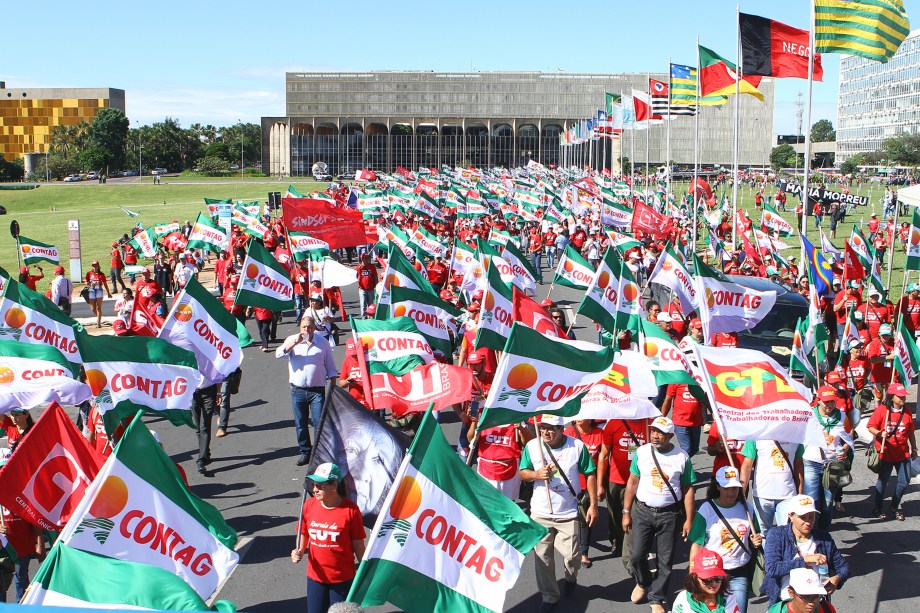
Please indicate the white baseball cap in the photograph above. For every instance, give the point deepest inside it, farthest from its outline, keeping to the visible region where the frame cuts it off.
(727, 476)
(802, 505)
(806, 582)
(552, 420)
(663, 424)
(664, 317)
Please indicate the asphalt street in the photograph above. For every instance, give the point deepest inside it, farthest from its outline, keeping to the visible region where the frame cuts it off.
(257, 487)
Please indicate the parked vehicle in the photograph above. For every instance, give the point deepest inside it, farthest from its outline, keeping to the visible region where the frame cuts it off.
(72, 178)
(92, 175)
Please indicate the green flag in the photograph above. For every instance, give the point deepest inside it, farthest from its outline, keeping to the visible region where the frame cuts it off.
(393, 346)
(208, 235)
(573, 270)
(497, 312)
(907, 355)
(265, 283)
(34, 252)
(435, 318)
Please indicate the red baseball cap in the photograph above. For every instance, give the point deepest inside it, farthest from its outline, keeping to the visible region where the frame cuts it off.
(832, 377)
(475, 358)
(896, 389)
(474, 306)
(696, 323)
(547, 303)
(478, 294)
(827, 393)
(708, 564)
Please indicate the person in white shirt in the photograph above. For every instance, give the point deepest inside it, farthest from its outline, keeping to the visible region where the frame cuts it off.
(660, 486)
(310, 364)
(124, 305)
(61, 290)
(322, 316)
(554, 504)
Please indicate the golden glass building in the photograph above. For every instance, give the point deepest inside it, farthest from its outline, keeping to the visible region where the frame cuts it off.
(28, 116)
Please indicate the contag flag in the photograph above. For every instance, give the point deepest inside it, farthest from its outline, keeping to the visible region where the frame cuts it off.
(521, 266)
(402, 273)
(200, 323)
(413, 559)
(539, 374)
(907, 355)
(29, 317)
(162, 229)
(32, 374)
(208, 235)
(265, 283)
(394, 346)
(727, 306)
(497, 312)
(428, 243)
(435, 318)
(138, 509)
(913, 243)
(80, 580)
(34, 252)
(667, 362)
(145, 243)
(304, 246)
(573, 270)
(771, 221)
(128, 374)
(670, 272)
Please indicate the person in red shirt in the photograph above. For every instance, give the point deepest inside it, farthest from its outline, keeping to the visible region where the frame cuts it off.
(117, 265)
(579, 238)
(715, 446)
(678, 319)
(875, 313)
(437, 274)
(331, 531)
(687, 415)
(621, 440)
(130, 257)
(300, 278)
(500, 450)
(588, 433)
(229, 298)
(97, 282)
(28, 542)
(351, 377)
(880, 242)
(880, 354)
(909, 308)
(892, 425)
(873, 226)
(30, 280)
(367, 282)
(221, 268)
(845, 301)
(724, 339)
(549, 244)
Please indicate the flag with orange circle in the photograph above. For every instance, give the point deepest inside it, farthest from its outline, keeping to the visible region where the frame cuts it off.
(31, 375)
(541, 374)
(34, 252)
(394, 345)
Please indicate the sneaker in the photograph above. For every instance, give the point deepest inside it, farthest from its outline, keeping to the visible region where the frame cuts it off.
(568, 587)
(638, 594)
(221, 433)
(658, 608)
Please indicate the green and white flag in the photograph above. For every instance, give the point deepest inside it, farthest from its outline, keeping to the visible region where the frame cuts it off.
(623, 242)
(162, 229)
(671, 272)
(771, 221)
(541, 374)
(615, 214)
(913, 243)
(145, 243)
(573, 270)
(798, 359)
(600, 300)
(668, 363)
(293, 193)
(906, 355)
(402, 273)
(395, 236)
(446, 540)
(464, 258)
(34, 252)
(249, 222)
(428, 243)
(304, 246)
(725, 306)
(208, 235)
(199, 322)
(393, 346)
(425, 205)
(861, 246)
(436, 319)
(496, 311)
(28, 317)
(72, 578)
(139, 510)
(128, 374)
(499, 237)
(521, 266)
(32, 374)
(265, 282)
(7, 550)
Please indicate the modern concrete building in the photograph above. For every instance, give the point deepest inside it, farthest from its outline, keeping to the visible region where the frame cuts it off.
(28, 116)
(877, 101)
(382, 120)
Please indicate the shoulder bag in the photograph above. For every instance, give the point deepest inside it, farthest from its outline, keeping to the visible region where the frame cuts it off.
(663, 476)
(757, 562)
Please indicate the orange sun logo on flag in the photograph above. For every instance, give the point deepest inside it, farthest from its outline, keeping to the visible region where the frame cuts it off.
(26, 248)
(110, 500)
(183, 313)
(6, 375)
(96, 380)
(520, 378)
(603, 280)
(399, 311)
(15, 318)
(405, 504)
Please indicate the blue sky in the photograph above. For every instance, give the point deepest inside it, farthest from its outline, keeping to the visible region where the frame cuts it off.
(199, 63)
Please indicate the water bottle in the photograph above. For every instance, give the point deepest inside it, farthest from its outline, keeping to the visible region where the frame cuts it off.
(821, 569)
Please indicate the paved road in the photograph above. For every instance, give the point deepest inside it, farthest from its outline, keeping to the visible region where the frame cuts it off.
(256, 485)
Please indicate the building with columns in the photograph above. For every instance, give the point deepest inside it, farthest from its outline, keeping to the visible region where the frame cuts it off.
(381, 120)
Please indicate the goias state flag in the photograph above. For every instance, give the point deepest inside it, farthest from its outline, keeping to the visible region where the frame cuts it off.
(264, 283)
(31, 375)
(128, 374)
(446, 540)
(540, 374)
(718, 76)
(50, 472)
(773, 49)
(755, 398)
(138, 509)
(76, 579)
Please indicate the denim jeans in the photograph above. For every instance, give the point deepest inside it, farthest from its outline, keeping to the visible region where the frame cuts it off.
(766, 511)
(688, 437)
(321, 596)
(824, 499)
(300, 305)
(740, 587)
(308, 405)
(366, 297)
(535, 261)
(884, 473)
(550, 256)
(646, 526)
(21, 578)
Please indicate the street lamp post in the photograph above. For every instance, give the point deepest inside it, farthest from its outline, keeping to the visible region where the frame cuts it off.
(241, 149)
(140, 156)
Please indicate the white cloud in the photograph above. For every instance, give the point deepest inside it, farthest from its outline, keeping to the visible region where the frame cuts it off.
(219, 107)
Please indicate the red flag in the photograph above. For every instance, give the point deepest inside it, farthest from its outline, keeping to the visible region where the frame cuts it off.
(648, 220)
(44, 481)
(340, 227)
(442, 384)
(144, 320)
(528, 312)
(429, 187)
(852, 267)
(749, 250)
(175, 241)
(587, 184)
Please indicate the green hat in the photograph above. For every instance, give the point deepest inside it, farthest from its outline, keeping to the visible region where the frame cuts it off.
(326, 472)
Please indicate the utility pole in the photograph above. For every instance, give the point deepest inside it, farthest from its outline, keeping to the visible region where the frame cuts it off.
(799, 112)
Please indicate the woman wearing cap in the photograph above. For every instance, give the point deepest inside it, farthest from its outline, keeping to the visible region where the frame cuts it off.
(893, 428)
(723, 525)
(16, 424)
(837, 447)
(881, 353)
(707, 587)
(332, 551)
(96, 281)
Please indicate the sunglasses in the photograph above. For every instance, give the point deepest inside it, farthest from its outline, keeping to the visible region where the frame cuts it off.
(713, 580)
(810, 598)
(324, 484)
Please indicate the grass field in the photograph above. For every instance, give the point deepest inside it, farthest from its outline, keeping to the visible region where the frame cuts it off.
(43, 213)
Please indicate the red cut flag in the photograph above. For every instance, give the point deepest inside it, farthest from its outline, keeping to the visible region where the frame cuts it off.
(852, 267)
(771, 48)
(144, 320)
(648, 220)
(412, 392)
(528, 312)
(52, 468)
(750, 251)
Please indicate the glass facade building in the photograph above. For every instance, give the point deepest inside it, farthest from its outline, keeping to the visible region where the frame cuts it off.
(877, 101)
(382, 120)
(28, 116)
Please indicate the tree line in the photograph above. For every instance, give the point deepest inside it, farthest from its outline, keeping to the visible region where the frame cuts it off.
(109, 145)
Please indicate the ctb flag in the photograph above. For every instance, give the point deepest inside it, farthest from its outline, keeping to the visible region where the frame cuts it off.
(773, 49)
